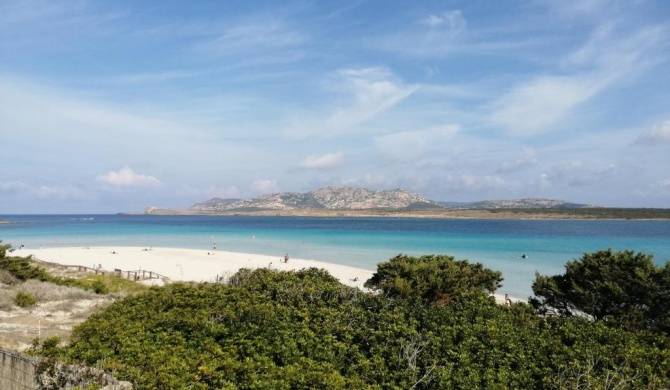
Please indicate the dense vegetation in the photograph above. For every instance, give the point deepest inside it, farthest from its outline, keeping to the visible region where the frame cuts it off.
(624, 289)
(428, 279)
(593, 212)
(276, 330)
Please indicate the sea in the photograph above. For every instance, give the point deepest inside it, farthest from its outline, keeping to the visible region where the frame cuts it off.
(359, 242)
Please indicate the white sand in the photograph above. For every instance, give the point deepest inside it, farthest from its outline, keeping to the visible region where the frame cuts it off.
(193, 265)
(188, 264)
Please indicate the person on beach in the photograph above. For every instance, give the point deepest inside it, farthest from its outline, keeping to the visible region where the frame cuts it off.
(286, 258)
(508, 300)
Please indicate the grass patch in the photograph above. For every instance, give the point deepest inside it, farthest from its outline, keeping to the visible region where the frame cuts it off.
(49, 292)
(23, 299)
(113, 283)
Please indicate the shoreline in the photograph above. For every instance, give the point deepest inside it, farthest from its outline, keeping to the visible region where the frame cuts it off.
(179, 264)
(585, 214)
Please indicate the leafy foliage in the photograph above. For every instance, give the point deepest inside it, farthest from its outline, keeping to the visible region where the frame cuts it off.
(53, 374)
(429, 278)
(624, 289)
(302, 330)
(22, 269)
(3, 249)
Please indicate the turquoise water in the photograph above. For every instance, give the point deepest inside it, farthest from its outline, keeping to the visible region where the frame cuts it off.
(360, 242)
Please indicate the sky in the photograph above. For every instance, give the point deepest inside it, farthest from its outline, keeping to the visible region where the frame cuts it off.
(114, 106)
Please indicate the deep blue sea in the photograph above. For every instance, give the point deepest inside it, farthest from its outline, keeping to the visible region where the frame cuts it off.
(359, 242)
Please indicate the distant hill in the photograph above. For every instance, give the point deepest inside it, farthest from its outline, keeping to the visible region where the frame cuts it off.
(331, 198)
(351, 199)
(214, 202)
(527, 203)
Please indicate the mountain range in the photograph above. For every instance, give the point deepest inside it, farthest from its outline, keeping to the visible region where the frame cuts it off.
(331, 198)
(353, 198)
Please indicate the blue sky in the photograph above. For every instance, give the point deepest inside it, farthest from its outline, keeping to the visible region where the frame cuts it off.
(119, 105)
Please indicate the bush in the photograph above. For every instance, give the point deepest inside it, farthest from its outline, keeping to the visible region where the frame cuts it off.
(433, 278)
(22, 269)
(623, 289)
(279, 330)
(23, 299)
(99, 287)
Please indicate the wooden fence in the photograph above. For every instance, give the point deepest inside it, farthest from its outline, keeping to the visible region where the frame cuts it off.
(131, 275)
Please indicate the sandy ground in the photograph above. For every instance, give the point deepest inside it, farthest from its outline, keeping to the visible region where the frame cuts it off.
(188, 264)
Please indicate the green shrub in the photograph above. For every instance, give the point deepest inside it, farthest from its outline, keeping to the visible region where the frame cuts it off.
(22, 269)
(304, 329)
(99, 287)
(23, 299)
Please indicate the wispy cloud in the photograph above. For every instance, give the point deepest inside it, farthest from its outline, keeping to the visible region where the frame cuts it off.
(433, 35)
(410, 145)
(447, 34)
(375, 90)
(452, 22)
(148, 78)
(256, 35)
(533, 106)
(579, 173)
(265, 186)
(13, 187)
(126, 177)
(361, 94)
(658, 133)
(48, 25)
(526, 160)
(470, 182)
(41, 192)
(229, 191)
(322, 162)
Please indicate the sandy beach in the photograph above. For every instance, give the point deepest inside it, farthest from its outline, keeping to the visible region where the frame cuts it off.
(190, 264)
(187, 264)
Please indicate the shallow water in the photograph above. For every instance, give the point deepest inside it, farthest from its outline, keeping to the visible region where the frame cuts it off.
(360, 242)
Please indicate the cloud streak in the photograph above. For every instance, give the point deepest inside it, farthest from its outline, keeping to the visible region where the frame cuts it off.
(535, 106)
(362, 94)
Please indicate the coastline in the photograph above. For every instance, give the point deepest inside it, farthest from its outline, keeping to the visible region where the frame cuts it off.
(599, 214)
(178, 264)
